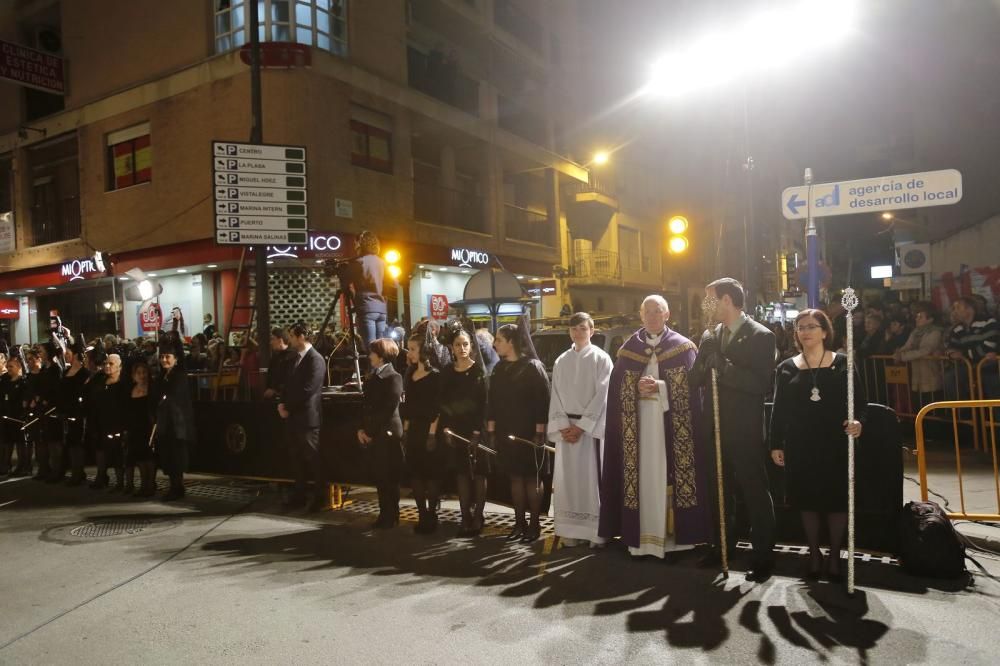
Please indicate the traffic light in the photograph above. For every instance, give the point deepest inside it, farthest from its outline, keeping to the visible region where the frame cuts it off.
(392, 258)
(677, 242)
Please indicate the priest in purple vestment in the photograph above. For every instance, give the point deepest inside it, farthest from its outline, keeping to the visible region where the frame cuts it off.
(654, 489)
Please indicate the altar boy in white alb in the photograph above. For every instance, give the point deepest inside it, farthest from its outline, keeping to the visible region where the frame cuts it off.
(576, 424)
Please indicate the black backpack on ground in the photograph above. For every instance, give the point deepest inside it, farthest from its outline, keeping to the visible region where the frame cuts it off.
(928, 543)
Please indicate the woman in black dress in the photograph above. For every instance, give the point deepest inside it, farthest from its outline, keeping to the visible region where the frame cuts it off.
(421, 397)
(12, 388)
(383, 429)
(70, 405)
(519, 406)
(108, 422)
(463, 411)
(138, 427)
(808, 424)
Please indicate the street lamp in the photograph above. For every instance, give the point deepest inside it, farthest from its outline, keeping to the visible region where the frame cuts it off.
(601, 158)
(764, 42)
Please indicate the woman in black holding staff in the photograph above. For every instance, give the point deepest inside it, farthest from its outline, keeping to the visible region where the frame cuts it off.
(383, 428)
(519, 406)
(808, 428)
(422, 394)
(139, 426)
(12, 397)
(463, 411)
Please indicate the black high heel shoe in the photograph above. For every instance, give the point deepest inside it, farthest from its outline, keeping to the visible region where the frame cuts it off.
(517, 532)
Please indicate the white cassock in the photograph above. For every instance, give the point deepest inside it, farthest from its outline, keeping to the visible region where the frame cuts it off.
(654, 504)
(579, 397)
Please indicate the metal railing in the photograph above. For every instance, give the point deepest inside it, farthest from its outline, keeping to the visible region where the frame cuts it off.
(528, 225)
(955, 406)
(908, 386)
(596, 264)
(443, 206)
(988, 383)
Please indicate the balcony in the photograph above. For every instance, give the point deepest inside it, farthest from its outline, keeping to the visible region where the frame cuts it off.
(527, 225)
(589, 207)
(595, 266)
(446, 207)
(437, 74)
(516, 22)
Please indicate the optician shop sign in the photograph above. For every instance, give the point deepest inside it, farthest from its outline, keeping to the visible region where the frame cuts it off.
(9, 308)
(467, 258)
(80, 269)
(319, 245)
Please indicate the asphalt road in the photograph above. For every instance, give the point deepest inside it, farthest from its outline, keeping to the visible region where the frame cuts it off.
(224, 577)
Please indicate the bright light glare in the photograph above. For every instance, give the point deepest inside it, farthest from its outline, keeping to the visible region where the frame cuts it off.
(765, 41)
(601, 157)
(392, 256)
(886, 216)
(678, 224)
(146, 290)
(394, 271)
(678, 245)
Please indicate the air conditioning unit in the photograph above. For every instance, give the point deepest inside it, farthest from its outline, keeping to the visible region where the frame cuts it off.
(914, 258)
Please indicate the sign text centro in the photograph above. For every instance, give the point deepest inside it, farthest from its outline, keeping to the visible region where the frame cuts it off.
(911, 190)
(469, 258)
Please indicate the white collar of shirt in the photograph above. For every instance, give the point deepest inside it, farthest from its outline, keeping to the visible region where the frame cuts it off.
(302, 354)
(737, 323)
(655, 339)
(381, 370)
(581, 349)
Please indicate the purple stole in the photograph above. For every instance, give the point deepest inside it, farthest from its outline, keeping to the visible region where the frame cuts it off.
(683, 446)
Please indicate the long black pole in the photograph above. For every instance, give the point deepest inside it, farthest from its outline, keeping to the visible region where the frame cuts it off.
(262, 295)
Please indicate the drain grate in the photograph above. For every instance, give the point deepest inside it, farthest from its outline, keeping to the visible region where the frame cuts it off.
(110, 528)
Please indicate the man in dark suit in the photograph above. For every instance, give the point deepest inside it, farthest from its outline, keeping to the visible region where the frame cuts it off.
(742, 352)
(301, 407)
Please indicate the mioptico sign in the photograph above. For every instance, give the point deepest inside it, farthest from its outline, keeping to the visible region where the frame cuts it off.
(468, 258)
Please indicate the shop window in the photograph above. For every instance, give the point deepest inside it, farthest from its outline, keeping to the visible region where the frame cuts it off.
(319, 23)
(55, 191)
(130, 157)
(371, 139)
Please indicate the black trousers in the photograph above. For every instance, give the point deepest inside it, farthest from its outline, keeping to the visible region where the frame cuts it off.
(172, 455)
(385, 459)
(307, 461)
(748, 498)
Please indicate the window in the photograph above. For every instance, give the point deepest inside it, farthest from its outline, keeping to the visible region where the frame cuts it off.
(6, 184)
(319, 23)
(55, 191)
(371, 139)
(130, 157)
(628, 247)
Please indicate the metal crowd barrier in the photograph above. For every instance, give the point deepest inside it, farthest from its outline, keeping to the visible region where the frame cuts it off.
(954, 406)
(889, 382)
(986, 371)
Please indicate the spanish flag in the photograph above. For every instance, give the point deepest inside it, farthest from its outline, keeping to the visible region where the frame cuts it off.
(133, 162)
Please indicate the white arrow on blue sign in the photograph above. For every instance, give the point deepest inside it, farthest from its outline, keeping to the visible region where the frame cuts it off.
(850, 197)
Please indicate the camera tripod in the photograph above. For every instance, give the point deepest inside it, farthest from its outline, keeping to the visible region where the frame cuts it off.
(354, 354)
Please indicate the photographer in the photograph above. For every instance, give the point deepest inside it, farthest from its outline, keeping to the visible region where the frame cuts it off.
(365, 275)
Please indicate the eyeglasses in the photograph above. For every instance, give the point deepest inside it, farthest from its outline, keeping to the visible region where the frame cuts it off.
(807, 327)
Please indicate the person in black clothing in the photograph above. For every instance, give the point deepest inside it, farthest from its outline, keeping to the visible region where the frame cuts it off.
(110, 404)
(69, 403)
(808, 424)
(139, 420)
(12, 396)
(301, 407)
(282, 361)
(383, 429)
(742, 352)
(463, 411)
(174, 418)
(519, 406)
(421, 390)
(48, 429)
(366, 274)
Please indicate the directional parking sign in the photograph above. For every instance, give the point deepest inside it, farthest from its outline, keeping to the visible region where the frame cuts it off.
(910, 190)
(260, 194)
